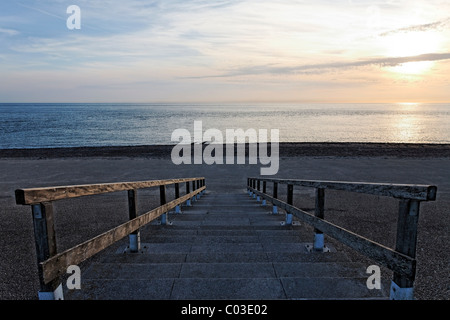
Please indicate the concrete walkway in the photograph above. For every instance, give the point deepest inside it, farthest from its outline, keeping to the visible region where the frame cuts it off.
(226, 246)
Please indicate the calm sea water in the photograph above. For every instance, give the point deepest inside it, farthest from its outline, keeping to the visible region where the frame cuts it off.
(71, 125)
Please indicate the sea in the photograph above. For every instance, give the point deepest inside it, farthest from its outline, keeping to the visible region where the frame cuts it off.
(54, 125)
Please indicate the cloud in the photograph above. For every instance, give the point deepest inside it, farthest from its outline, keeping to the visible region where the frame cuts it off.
(419, 27)
(9, 32)
(322, 67)
(137, 45)
(60, 17)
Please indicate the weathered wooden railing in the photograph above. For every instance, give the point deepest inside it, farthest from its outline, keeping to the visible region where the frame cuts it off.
(52, 265)
(401, 260)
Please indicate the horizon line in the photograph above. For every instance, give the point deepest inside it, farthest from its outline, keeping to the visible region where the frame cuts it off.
(225, 102)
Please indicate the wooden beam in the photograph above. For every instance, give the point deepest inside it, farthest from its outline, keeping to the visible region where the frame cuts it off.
(162, 194)
(163, 201)
(57, 265)
(132, 213)
(45, 240)
(177, 190)
(402, 191)
(395, 261)
(38, 195)
(408, 215)
(132, 204)
(275, 190)
(319, 209)
(290, 194)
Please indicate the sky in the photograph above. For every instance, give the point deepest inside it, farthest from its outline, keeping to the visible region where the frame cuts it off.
(225, 51)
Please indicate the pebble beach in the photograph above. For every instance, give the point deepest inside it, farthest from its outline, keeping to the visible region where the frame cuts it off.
(83, 218)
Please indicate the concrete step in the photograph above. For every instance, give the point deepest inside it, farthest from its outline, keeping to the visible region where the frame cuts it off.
(273, 288)
(224, 257)
(226, 288)
(211, 234)
(112, 270)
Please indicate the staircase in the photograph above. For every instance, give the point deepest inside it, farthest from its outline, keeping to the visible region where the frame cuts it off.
(225, 246)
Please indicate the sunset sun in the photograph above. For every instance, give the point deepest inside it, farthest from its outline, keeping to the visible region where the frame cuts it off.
(412, 44)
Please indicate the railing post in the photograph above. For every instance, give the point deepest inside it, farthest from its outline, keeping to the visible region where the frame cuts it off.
(258, 187)
(134, 237)
(162, 197)
(254, 187)
(275, 195)
(177, 195)
(194, 198)
(290, 198)
(188, 201)
(264, 191)
(45, 240)
(197, 182)
(319, 213)
(408, 215)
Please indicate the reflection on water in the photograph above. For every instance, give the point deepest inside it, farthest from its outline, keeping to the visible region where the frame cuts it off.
(407, 126)
(399, 123)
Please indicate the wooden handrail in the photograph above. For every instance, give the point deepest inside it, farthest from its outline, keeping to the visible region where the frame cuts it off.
(51, 265)
(403, 191)
(401, 259)
(37, 195)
